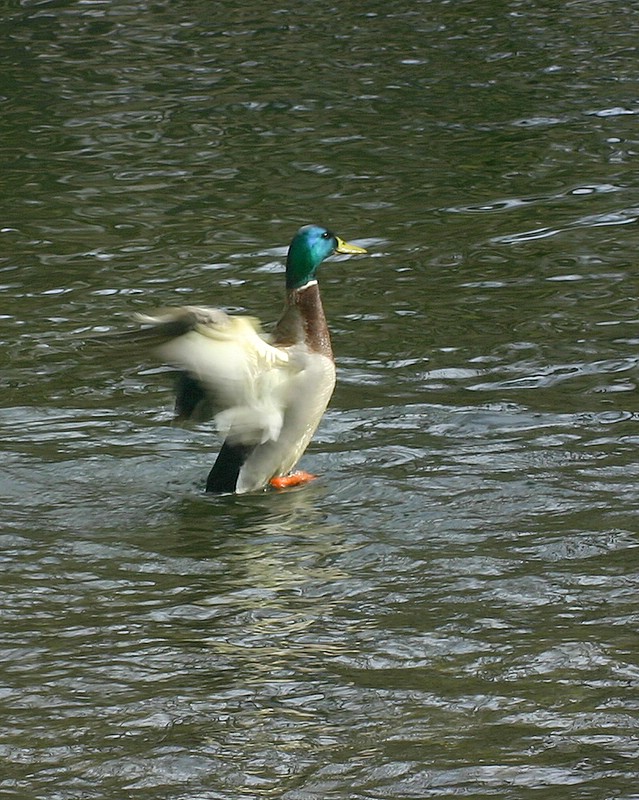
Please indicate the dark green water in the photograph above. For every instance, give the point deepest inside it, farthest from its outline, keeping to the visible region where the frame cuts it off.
(451, 611)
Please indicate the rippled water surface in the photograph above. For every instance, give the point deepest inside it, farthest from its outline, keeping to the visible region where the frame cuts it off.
(451, 610)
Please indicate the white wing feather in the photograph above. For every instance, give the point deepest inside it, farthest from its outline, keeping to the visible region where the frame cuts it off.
(245, 376)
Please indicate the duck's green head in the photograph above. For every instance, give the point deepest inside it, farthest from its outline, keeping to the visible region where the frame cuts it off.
(310, 246)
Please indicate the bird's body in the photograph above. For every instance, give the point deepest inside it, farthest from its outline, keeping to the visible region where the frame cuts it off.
(267, 395)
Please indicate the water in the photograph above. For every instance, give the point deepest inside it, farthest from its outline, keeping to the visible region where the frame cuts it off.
(451, 609)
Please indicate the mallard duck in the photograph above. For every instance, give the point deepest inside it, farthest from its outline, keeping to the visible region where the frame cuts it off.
(267, 394)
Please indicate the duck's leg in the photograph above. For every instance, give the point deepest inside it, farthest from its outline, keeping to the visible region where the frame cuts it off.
(293, 479)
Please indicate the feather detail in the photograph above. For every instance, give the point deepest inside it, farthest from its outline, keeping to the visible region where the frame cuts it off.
(243, 375)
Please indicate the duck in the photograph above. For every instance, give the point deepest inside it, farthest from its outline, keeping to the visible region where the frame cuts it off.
(266, 394)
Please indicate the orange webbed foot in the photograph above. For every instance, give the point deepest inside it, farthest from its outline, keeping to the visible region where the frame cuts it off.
(294, 479)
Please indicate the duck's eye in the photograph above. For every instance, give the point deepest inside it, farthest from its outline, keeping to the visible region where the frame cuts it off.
(326, 235)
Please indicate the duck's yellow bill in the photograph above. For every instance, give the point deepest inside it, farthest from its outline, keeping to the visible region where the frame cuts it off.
(347, 249)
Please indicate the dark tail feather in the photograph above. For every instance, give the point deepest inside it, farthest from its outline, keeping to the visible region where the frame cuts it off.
(191, 400)
(225, 472)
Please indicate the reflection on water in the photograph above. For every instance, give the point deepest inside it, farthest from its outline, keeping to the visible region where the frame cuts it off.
(456, 584)
(451, 608)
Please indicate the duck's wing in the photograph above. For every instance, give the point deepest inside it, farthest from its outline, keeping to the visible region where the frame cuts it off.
(227, 368)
